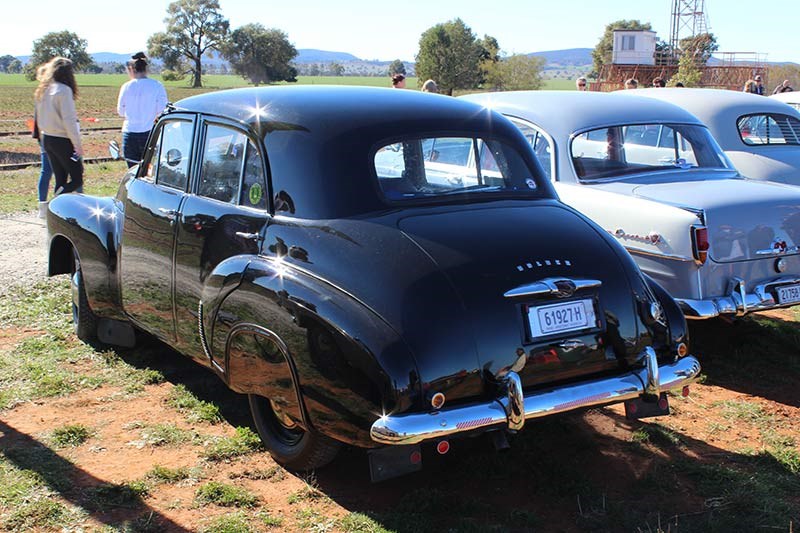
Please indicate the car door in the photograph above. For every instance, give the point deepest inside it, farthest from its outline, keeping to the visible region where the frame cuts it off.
(224, 216)
(152, 203)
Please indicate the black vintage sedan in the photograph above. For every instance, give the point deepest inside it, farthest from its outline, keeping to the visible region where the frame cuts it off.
(381, 268)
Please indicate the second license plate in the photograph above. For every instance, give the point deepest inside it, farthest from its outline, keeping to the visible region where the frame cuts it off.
(562, 317)
(789, 294)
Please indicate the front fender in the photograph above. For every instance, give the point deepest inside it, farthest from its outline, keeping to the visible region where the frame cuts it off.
(89, 227)
(283, 328)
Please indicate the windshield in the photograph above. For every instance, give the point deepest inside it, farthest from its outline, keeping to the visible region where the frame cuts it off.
(448, 166)
(629, 149)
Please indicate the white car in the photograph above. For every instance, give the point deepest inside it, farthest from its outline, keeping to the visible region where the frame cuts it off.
(790, 97)
(761, 136)
(652, 175)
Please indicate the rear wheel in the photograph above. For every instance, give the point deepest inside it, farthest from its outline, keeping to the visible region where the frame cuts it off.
(288, 443)
(85, 322)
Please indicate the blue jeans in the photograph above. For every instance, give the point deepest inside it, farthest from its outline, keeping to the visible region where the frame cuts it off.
(133, 145)
(44, 175)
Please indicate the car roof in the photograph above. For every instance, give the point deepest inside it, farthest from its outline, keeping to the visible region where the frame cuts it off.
(561, 113)
(788, 97)
(338, 109)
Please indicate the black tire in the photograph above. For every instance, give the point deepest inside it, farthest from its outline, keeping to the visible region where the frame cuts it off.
(290, 445)
(84, 321)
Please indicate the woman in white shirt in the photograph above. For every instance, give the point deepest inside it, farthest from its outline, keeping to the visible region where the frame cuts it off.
(140, 102)
(58, 123)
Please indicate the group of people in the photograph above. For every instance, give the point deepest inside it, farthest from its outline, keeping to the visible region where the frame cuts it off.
(399, 82)
(631, 83)
(56, 126)
(756, 86)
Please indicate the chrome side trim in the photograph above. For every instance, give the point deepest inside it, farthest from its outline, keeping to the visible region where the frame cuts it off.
(658, 254)
(412, 428)
(738, 302)
(549, 286)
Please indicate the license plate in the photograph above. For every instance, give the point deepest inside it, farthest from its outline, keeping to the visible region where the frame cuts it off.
(561, 318)
(789, 294)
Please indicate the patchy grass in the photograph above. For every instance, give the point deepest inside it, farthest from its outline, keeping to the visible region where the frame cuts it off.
(108, 496)
(360, 523)
(163, 474)
(70, 435)
(230, 523)
(165, 435)
(310, 519)
(225, 495)
(196, 410)
(35, 514)
(655, 434)
(274, 474)
(244, 441)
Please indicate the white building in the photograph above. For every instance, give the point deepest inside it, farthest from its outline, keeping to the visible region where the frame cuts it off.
(634, 47)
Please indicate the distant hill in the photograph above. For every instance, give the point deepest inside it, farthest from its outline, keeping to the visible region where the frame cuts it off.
(311, 55)
(571, 57)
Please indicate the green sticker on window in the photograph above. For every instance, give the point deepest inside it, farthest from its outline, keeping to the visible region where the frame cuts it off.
(256, 193)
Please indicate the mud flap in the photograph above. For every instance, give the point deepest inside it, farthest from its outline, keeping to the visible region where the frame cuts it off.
(639, 408)
(392, 461)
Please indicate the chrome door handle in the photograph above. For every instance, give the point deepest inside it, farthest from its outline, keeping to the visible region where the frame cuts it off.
(249, 236)
(168, 213)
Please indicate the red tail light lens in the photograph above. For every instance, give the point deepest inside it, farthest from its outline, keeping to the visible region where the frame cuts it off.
(700, 243)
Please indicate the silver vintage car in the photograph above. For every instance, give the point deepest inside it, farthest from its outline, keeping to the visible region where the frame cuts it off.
(651, 174)
(761, 136)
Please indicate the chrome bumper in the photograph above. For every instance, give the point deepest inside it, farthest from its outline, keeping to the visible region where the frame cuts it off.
(511, 411)
(738, 301)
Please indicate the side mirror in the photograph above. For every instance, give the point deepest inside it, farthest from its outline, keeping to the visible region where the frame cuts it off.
(174, 157)
(113, 149)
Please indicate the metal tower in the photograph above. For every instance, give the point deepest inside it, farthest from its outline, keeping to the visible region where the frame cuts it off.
(688, 19)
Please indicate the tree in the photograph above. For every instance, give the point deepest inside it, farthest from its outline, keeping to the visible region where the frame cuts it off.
(603, 51)
(5, 61)
(397, 67)
(700, 47)
(516, 73)
(193, 28)
(780, 72)
(450, 54)
(15, 67)
(689, 72)
(260, 55)
(490, 55)
(336, 69)
(58, 44)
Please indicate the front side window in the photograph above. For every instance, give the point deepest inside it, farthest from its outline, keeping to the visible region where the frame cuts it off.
(448, 166)
(223, 161)
(769, 129)
(633, 148)
(174, 154)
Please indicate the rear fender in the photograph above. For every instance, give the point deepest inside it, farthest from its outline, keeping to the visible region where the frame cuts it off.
(90, 228)
(326, 359)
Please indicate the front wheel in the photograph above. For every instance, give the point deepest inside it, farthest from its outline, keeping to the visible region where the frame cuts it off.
(83, 318)
(288, 443)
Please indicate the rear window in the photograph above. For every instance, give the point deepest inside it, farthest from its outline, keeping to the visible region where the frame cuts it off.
(634, 148)
(449, 166)
(769, 129)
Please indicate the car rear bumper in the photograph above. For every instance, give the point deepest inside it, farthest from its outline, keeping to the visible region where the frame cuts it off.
(511, 411)
(738, 301)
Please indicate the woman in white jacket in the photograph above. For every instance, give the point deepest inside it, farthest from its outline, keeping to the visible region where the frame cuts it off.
(140, 102)
(58, 124)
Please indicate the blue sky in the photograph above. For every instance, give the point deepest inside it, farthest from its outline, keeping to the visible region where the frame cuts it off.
(386, 30)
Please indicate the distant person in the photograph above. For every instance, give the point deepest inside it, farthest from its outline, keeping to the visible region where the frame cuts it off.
(631, 83)
(430, 87)
(759, 86)
(58, 123)
(783, 88)
(750, 87)
(46, 171)
(659, 82)
(580, 84)
(398, 81)
(140, 102)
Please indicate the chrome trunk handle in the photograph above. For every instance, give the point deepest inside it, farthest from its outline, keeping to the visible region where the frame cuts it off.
(560, 287)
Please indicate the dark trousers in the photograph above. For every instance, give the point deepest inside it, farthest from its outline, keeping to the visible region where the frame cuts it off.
(59, 152)
(133, 145)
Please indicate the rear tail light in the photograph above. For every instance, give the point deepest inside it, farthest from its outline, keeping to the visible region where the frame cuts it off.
(700, 243)
(442, 447)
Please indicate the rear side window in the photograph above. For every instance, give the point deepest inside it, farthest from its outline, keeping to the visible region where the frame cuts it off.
(174, 154)
(223, 162)
(769, 129)
(449, 166)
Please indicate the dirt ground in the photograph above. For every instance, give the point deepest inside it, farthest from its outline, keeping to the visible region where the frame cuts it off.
(590, 471)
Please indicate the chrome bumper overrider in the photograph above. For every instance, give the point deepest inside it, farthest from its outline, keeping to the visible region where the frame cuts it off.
(738, 302)
(511, 411)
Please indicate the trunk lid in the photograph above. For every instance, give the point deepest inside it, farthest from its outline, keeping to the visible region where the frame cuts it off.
(745, 219)
(492, 251)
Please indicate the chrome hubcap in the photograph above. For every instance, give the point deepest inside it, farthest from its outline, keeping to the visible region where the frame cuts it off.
(282, 417)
